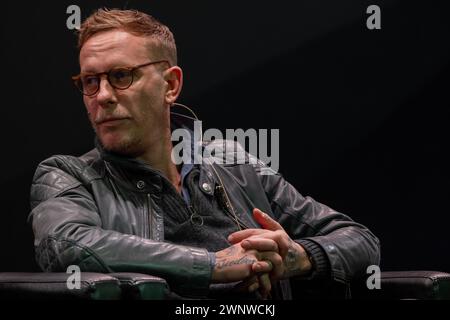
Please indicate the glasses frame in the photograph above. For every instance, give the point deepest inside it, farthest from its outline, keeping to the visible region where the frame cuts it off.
(78, 77)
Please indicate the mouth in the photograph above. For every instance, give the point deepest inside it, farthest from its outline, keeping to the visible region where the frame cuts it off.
(110, 121)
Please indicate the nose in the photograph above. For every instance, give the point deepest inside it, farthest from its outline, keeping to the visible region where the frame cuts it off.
(106, 95)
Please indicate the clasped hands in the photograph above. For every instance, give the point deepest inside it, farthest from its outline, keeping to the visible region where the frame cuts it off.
(260, 257)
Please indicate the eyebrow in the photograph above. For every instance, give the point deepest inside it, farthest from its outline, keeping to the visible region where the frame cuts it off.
(93, 71)
(88, 71)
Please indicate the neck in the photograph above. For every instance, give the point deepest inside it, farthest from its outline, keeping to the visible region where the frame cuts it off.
(158, 157)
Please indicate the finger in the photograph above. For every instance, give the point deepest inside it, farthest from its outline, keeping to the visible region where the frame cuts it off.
(264, 285)
(238, 236)
(264, 266)
(278, 235)
(249, 285)
(259, 244)
(266, 221)
(277, 264)
(253, 287)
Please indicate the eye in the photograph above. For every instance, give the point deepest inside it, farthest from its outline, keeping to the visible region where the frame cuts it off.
(120, 78)
(90, 80)
(120, 74)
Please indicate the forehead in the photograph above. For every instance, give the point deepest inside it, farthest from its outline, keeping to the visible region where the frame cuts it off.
(113, 48)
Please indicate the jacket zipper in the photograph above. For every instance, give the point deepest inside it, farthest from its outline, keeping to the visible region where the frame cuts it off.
(228, 207)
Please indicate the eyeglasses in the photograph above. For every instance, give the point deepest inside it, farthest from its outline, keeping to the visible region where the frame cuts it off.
(119, 78)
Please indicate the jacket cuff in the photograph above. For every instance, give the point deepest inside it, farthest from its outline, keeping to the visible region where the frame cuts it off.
(198, 286)
(320, 264)
(212, 259)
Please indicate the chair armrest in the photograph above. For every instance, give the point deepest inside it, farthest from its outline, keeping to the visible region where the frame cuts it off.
(43, 285)
(429, 285)
(136, 286)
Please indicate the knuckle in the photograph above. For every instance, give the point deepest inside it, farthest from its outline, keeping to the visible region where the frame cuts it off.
(279, 236)
(274, 246)
(278, 260)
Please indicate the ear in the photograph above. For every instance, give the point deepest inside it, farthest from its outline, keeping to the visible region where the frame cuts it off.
(174, 79)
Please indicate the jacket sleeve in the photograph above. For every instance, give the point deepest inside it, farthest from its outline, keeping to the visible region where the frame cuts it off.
(68, 231)
(337, 245)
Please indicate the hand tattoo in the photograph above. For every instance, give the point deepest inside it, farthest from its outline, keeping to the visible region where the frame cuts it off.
(291, 260)
(228, 263)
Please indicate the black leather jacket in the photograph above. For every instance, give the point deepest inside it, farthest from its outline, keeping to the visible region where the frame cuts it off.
(98, 211)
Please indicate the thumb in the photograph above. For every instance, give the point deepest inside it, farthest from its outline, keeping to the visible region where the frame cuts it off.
(266, 221)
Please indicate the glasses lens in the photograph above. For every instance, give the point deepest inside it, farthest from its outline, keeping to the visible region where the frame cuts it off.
(120, 78)
(89, 84)
(78, 84)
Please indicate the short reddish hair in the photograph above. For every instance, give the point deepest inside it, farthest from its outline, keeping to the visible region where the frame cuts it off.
(134, 22)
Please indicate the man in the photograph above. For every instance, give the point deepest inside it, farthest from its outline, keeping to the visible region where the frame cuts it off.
(126, 206)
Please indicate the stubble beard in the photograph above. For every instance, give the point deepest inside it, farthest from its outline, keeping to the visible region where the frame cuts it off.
(128, 145)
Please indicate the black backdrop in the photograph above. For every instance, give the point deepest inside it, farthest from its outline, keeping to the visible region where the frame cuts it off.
(363, 115)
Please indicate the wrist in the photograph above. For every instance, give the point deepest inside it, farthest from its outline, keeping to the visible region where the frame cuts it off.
(305, 261)
(319, 259)
(297, 261)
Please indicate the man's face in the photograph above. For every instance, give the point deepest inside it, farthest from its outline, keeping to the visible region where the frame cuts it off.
(126, 121)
